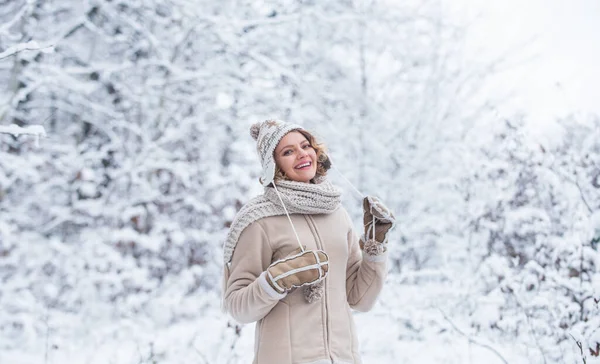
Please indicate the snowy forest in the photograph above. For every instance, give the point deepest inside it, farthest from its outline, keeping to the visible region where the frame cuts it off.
(125, 154)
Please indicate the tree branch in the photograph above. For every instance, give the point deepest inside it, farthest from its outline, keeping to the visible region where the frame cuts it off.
(29, 46)
(35, 130)
(472, 340)
(580, 348)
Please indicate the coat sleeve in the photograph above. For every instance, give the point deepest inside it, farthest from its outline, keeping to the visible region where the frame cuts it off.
(248, 297)
(365, 274)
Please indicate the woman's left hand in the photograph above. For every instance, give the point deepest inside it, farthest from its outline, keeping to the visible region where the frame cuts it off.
(375, 211)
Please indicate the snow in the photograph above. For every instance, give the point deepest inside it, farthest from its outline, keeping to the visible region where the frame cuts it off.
(483, 142)
(594, 340)
(16, 130)
(31, 45)
(595, 223)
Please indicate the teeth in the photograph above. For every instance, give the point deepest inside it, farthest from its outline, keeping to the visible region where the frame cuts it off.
(304, 165)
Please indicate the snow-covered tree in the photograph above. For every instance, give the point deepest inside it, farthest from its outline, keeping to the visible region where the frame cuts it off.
(536, 208)
(116, 219)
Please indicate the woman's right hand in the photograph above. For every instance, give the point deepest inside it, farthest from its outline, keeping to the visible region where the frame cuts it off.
(299, 269)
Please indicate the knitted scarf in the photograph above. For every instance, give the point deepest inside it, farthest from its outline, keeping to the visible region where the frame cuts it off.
(298, 197)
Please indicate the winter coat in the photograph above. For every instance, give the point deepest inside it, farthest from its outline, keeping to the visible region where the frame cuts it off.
(290, 330)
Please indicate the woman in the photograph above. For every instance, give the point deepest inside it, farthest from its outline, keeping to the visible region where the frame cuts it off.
(292, 260)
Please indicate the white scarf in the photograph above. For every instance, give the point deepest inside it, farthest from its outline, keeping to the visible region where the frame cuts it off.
(298, 197)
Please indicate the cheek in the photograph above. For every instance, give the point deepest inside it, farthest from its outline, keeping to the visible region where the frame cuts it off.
(286, 164)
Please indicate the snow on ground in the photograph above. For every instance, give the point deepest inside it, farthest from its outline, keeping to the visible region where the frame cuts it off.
(411, 323)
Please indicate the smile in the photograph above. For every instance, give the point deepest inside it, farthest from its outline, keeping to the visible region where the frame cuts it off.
(303, 165)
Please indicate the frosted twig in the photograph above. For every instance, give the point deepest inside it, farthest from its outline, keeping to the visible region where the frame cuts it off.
(47, 336)
(568, 178)
(6, 26)
(472, 340)
(13, 129)
(36, 130)
(580, 349)
(527, 319)
(590, 210)
(30, 46)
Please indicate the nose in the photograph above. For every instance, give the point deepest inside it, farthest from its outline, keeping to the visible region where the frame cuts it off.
(302, 153)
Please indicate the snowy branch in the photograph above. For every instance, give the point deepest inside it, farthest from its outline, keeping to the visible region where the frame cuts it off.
(472, 340)
(35, 130)
(580, 346)
(6, 26)
(29, 46)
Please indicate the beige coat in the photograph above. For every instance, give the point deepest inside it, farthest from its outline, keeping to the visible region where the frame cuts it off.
(289, 329)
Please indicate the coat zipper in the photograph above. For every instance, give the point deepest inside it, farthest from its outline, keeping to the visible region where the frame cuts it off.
(320, 247)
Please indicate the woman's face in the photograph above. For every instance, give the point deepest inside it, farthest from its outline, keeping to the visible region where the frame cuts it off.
(296, 158)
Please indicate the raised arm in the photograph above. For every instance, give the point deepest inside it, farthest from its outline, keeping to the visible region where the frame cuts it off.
(367, 258)
(365, 275)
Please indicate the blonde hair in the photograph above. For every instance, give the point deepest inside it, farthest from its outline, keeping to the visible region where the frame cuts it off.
(323, 163)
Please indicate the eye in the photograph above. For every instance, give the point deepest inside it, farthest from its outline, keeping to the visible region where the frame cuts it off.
(306, 146)
(287, 152)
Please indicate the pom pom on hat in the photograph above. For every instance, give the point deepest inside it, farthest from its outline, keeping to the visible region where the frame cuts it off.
(255, 129)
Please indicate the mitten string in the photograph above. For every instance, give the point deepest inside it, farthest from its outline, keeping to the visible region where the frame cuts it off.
(344, 177)
(373, 227)
(356, 190)
(289, 218)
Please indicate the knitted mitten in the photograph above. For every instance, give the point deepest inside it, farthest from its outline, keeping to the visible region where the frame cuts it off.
(312, 292)
(376, 216)
(305, 268)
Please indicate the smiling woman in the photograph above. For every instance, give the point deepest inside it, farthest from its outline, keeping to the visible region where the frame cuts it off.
(295, 158)
(293, 262)
(300, 158)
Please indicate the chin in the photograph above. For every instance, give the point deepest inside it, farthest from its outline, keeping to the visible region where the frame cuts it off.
(305, 178)
(311, 177)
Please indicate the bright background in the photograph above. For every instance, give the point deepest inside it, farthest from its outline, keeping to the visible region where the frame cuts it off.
(475, 121)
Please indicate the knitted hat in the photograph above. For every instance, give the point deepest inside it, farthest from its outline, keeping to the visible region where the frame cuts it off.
(268, 134)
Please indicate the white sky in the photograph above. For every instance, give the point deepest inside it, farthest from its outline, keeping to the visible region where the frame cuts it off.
(565, 74)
